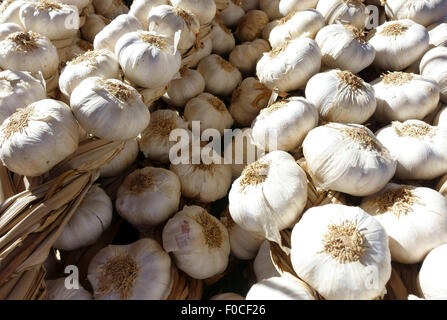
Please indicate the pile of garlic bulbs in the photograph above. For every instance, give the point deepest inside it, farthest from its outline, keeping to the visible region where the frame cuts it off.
(236, 120)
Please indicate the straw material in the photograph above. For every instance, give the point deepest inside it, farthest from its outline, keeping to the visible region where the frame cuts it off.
(184, 287)
(6, 185)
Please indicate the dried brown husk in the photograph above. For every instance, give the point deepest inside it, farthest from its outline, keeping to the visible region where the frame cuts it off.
(184, 287)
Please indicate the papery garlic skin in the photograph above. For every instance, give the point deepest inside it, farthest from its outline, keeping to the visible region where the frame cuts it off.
(57, 290)
(95, 63)
(348, 158)
(424, 12)
(341, 252)
(147, 59)
(149, 96)
(268, 29)
(204, 10)
(350, 12)
(148, 196)
(88, 222)
(246, 55)
(403, 96)
(140, 9)
(249, 4)
(110, 8)
(17, 90)
(398, 44)
(221, 77)
(203, 50)
(10, 11)
(289, 67)
(36, 138)
(227, 296)
(288, 120)
(221, 37)
(29, 51)
(259, 203)
(345, 47)
(263, 266)
(428, 146)
(110, 34)
(251, 25)
(432, 279)
(288, 6)
(279, 288)
(181, 90)
(438, 35)
(123, 160)
(137, 271)
(7, 28)
(196, 238)
(210, 111)
(271, 7)
(92, 26)
(231, 15)
(433, 66)
(304, 23)
(415, 219)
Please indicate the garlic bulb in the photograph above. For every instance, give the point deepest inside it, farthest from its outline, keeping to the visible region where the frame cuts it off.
(259, 200)
(287, 121)
(227, 296)
(415, 219)
(185, 88)
(398, 44)
(7, 28)
(232, 14)
(280, 288)
(289, 66)
(148, 196)
(35, 138)
(123, 160)
(203, 50)
(80, 4)
(441, 117)
(432, 279)
(140, 9)
(147, 59)
(109, 109)
(10, 11)
(263, 266)
(424, 12)
(210, 111)
(402, 96)
(298, 23)
(222, 38)
(17, 90)
(268, 28)
(341, 96)
(51, 19)
(167, 20)
(221, 77)
(110, 34)
(247, 100)
(76, 48)
(221, 5)
(29, 51)
(246, 55)
(438, 35)
(428, 145)
(347, 158)
(352, 12)
(149, 96)
(89, 221)
(271, 7)
(204, 10)
(342, 252)
(110, 8)
(196, 238)
(433, 66)
(154, 141)
(251, 25)
(248, 5)
(92, 26)
(345, 47)
(95, 63)
(288, 6)
(58, 291)
(137, 271)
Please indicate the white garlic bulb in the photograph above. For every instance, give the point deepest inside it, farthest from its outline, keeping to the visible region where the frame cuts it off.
(268, 29)
(438, 35)
(95, 63)
(342, 252)
(402, 96)
(432, 279)
(123, 160)
(288, 6)
(280, 288)
(92, 26)
(271, 7)
(222, 38)
(251, 25)
(246, 55)
(347, 158)
(221, 77)
(149, 95)
(210, 111)
(296, 24)
(35, 138)
(10, 11)
(140, 9)
(424, 12)
(263, 266)
(433, 66)
(398, 44)
(352, 12)
(58, 291)
(341, 96)
(109, 109)
(248, 99)
(154, 141)
(196, 238)
(137, 271)
(289, 66)
(441, 117)
(204, 10)
(428, 146)
(203, 50)
(232, 14)
(29, 51)
(249, 4)
(415, 219)
(7, 28)
(189, 85)
(147, 59)
(288, 121)
(110, 8)
(227, 296)
(17, 90)
(88, 222)
(345, 47)
(148, 196)
(269, 196)
(111, 33)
